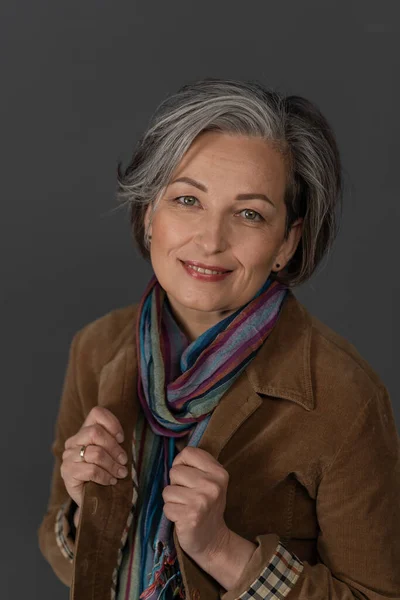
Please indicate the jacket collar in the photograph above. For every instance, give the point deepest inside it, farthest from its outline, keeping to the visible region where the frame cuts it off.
(282, 367)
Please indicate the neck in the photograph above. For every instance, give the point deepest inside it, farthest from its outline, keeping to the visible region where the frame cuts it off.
(194, 323)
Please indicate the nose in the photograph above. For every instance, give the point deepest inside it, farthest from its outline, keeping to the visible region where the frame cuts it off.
(211, 235)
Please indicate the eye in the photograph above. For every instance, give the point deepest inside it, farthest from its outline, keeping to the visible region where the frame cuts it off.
(253, 215)
(185, 203)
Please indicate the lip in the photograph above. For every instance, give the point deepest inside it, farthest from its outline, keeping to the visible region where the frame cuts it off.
(203, 276)
(203, 266)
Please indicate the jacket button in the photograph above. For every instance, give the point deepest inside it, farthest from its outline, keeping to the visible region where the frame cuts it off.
(195, 594)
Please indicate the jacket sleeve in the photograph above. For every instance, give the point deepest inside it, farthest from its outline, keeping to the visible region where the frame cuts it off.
(358, 510)
(56, 539)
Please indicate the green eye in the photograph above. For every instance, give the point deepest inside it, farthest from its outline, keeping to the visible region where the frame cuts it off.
(185, 203)
(253, 214)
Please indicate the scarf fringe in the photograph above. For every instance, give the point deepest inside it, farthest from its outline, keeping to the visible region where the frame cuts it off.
(163, 574)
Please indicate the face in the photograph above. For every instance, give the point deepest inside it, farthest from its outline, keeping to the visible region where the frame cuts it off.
(208, 221)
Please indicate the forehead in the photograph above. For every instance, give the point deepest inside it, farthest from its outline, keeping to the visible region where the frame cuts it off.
(248, 159)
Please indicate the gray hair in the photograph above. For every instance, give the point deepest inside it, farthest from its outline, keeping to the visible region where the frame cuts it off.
(294, 125)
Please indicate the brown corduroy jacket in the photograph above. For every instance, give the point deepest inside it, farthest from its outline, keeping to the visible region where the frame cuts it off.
(308, 436)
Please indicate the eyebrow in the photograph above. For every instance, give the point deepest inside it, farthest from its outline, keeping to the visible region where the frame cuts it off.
(203, 188)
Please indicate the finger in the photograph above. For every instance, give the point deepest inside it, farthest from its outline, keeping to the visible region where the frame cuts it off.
(196, 457)
(179, 495)
(100, 457)
(104, 417)
(93, 454)
(97, 435)
(187, 476)
(90, 472)
(176, 512)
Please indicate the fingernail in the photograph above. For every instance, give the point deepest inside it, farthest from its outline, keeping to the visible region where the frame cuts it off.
(120, 437)
(122, 458)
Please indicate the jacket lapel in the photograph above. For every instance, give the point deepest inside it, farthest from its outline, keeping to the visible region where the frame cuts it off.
(103, 505)
(234, 408)
(282, 367)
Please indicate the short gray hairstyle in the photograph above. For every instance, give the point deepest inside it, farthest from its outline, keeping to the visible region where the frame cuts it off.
(294, 125)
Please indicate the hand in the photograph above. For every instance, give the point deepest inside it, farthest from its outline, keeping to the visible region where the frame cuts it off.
(104, 456)
(195, 501)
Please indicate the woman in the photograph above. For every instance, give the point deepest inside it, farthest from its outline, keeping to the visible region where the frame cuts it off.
(260, 450)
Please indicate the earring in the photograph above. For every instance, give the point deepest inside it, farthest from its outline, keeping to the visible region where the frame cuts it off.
(277, 265)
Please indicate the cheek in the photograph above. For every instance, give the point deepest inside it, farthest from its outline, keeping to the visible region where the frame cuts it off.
(256, 252)
(169, 232)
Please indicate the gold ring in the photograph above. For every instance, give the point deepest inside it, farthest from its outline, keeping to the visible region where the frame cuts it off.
(82, 452)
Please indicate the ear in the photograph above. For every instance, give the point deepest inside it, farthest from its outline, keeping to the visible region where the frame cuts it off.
(146, 219)
(289, 245)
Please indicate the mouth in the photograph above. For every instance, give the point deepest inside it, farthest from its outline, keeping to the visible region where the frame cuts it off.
(201, 272)
(199, 267)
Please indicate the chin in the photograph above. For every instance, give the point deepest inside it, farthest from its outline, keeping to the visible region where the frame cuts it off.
(196, 302)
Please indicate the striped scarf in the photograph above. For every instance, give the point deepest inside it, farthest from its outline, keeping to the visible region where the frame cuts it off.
(180, 383)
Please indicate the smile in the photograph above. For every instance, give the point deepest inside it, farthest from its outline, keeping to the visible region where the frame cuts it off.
(204, 274)
(200, 270)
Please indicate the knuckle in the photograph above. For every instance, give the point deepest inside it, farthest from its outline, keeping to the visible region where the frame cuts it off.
(68, 443)
(98, 454)
(202, 503)
(98, 432)
(214, 491)
(93, 470)
(194, 519)
(96, 412)
(64, 469)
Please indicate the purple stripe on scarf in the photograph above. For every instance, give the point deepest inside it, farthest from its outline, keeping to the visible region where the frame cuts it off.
(235, 359)
(225, 336)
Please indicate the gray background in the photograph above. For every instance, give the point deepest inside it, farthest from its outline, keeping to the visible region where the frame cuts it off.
(79, 81)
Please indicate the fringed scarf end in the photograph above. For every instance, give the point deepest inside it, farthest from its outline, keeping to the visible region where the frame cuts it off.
(164, 574)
